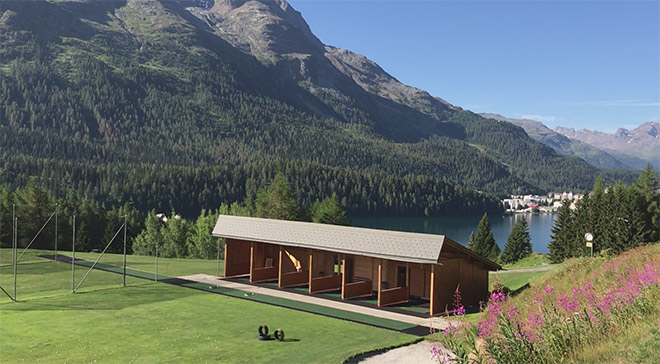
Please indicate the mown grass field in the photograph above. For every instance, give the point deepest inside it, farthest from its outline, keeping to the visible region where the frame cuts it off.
(148, 322)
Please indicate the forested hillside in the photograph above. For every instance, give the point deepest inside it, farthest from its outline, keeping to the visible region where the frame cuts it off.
(144, 100)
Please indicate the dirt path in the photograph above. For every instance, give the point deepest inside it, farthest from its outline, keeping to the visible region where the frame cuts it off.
(522, 270)
(419, 353)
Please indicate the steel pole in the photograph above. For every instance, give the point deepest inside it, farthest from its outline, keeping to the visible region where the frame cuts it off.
(73, 257)
(14, 254)
(124, 279)
(156, 273)
(56, 232)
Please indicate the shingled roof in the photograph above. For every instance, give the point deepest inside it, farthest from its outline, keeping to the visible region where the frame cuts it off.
(386, 244)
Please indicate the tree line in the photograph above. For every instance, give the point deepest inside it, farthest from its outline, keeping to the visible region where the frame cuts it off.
(37, 208)
(619, 217)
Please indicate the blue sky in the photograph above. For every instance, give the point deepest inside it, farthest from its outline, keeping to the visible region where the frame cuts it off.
(581, 64)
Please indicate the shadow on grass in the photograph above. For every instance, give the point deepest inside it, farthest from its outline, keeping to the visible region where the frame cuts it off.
(115, 298)
(520, 290)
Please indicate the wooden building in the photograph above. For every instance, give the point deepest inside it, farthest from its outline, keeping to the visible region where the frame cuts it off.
(358, 262)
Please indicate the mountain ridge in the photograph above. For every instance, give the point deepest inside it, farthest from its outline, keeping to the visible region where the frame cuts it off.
(205, 89)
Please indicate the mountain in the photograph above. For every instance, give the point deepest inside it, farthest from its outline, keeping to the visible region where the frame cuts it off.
(636, 147)
(191, 103)
(563, 144)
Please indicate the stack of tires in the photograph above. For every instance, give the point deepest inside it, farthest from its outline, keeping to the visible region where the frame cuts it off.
(263, 333)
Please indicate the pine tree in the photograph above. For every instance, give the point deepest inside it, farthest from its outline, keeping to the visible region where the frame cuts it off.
(484, 243)
(648, 186)
(519, 244)
(277, 201)
(329, 211)
(560, 246)
(470, 242)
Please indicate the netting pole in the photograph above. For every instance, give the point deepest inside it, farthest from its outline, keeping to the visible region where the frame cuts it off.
(156, 274)
(56, 232)
(13, 244)
(218, 261)
(73, 257)
(124, 279)
(14, 254)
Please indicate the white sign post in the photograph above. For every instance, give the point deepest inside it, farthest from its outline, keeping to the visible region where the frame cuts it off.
(589, 237)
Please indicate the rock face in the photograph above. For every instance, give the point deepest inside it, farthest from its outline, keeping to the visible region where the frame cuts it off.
(636, 147)
(277, 35)
(563, 144)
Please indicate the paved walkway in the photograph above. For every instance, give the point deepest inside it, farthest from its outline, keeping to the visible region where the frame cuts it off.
(434, 322)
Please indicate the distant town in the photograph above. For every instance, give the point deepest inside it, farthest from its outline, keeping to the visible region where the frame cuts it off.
(539, 203)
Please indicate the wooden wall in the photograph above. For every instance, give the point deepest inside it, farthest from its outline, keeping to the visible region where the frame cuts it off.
(264, 252)
(237, 257)
(323, 263)
(469, 275)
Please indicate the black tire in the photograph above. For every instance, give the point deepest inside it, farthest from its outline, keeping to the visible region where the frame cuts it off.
(264, 337)
(279, 334)
(263, 330)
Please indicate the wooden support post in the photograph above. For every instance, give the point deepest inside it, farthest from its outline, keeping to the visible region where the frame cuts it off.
(408, 278)
(432, 293)
(343, 277)
(310, 272)
(380, 279)
(251, 259)
(279, 274)
(225, 262)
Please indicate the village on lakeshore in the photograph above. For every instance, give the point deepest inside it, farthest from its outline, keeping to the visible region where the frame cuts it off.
(540, 203)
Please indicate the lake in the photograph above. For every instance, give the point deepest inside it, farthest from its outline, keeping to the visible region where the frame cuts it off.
(458, 229)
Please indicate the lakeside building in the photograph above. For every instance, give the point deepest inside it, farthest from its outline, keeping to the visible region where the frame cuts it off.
(355, 262)
(549, 202)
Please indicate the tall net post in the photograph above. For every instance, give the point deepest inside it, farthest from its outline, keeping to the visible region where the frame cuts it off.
(156, 271)
(56, 205)
(14, 261)
(73, 257)
(124, 275)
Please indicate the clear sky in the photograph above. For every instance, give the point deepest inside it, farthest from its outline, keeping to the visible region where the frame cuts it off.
(581, 64)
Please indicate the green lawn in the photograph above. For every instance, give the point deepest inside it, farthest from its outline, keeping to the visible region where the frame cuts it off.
(514, 280)
(161, 323)
(532, 261)
(149, 322)
(38, 277)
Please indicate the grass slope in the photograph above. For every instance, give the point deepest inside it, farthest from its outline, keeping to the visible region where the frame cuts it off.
(620, 293)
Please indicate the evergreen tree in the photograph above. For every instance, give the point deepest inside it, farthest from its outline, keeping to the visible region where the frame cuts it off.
(561, 240)
(519, 244)
(648, 186)
(277, 201)
(470, 242)
(484, 243)
(329, 211)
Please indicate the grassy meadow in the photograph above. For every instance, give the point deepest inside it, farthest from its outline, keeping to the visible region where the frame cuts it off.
(148, 322)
